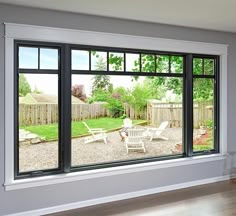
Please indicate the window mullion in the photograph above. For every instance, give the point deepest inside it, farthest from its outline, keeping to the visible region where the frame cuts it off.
(65, 109)
(188, 105)
(216, 105)
(16, 110)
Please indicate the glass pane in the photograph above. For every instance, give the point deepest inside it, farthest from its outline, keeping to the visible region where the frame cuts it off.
(98, 61)
(203, 114)
(176, 64)
(197, 66)
(132, 62)
(49, 58)
(209, 66)
(162, 64)
(108, 113)
(38, 122)
(116, 61)
(148, 63)
(28, 58)
(80, 60)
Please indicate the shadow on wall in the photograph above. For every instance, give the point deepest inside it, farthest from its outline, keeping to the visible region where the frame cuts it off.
(232, 164)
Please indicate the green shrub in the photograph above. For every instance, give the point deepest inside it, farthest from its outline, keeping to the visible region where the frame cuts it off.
(202, 147)
(209, 124)
(123, 116)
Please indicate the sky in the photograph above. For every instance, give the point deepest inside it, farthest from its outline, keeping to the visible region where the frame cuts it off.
(48, 83)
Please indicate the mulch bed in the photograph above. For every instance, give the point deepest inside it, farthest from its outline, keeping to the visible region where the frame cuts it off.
(202, 140)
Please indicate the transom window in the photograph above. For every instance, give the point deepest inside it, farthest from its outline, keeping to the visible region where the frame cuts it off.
(84, 107)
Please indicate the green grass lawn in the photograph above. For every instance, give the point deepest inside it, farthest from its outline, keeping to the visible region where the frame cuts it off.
(50, 132)
(203, 147)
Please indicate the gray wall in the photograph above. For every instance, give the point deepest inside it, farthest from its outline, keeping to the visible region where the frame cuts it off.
(46, 196)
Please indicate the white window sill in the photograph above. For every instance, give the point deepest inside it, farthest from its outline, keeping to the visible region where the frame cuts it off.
(90, 174)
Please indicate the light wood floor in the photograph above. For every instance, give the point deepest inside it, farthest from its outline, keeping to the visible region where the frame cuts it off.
(218, 199)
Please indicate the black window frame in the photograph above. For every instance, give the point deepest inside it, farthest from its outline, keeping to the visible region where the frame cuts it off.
(215, 77)
(65, 73)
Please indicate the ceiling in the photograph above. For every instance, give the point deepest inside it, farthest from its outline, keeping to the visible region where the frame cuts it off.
(208, 14)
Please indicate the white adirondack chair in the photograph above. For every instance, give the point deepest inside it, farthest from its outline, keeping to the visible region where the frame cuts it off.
(96, 134)
(155, 133)
(134, 140)
(127, 123)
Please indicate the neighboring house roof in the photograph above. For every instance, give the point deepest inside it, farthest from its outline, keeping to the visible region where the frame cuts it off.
(20, 99)
(76, 100)
(32, 98)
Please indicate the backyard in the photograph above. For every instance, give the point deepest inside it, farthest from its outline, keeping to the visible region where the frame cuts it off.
(50, 132)
(45, 155)
(114, 117)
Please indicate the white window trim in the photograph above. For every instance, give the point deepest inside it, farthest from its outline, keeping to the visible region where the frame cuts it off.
(48, 34)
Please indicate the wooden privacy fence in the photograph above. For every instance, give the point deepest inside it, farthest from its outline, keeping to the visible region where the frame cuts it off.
(133, 114)
(41, 114)
(202, 113)
(159, 112)
(154, 113)
(88, 111)
(173, 112)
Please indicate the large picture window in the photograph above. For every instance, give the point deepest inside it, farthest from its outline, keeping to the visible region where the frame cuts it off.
(83, 107)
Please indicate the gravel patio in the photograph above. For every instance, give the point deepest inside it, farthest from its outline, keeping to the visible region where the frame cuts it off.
(45, 155)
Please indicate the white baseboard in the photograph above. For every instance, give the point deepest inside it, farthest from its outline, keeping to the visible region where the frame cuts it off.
(233, 176)
(123, 196)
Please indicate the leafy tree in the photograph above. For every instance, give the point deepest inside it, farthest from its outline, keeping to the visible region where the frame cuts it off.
(116, 61)
(99, 95)
(203, 89)
(116, 100)
(121, 93)
(24, 86)
(78, 91)
(101, 81)
(162, 66)
(197, 66)
(157, 91)
(148, 63)
(138, 98)
(115, 106)
(100, 65)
